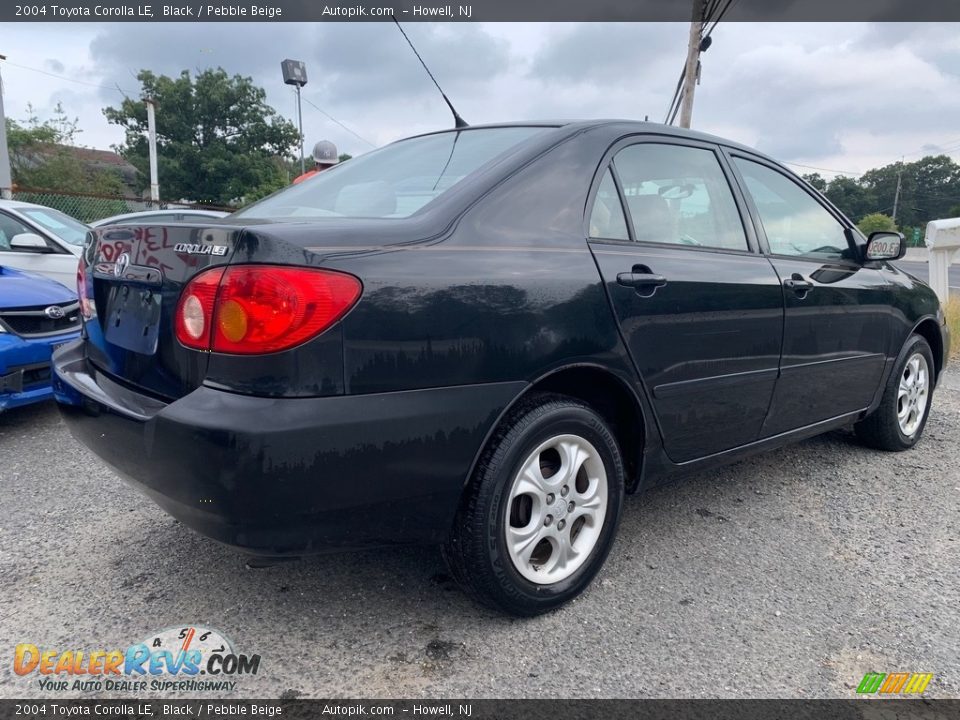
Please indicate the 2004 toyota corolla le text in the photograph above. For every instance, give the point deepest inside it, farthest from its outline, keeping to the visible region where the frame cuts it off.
(485, 338)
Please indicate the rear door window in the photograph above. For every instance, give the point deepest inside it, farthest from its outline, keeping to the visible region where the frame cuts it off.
(679, 195)
(607, 220)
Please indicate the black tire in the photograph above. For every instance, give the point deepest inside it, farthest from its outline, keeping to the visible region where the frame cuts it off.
(881, 429)
(476, 549)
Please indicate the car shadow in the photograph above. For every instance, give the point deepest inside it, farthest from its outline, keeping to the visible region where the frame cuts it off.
(411, 584)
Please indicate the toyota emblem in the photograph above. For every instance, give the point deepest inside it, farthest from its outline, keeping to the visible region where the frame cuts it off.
(120, 267)
(54, 312)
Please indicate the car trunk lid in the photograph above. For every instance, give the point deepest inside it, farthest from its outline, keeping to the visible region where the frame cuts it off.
(134, 276)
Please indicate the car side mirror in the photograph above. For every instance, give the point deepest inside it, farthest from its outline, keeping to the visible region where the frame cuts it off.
(885, 245)
(29, 242)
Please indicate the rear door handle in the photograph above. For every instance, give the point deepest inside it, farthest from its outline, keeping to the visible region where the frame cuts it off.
(797, 283)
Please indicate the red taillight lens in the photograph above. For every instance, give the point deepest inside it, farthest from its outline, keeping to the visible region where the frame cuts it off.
(194, 318)
(255, 309)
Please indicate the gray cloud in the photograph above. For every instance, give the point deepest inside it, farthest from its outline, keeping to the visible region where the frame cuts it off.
(609, 54)
(461, 57)
(844, 95)
(361, 73)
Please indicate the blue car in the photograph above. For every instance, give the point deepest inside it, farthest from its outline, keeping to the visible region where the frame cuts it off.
(37, 315)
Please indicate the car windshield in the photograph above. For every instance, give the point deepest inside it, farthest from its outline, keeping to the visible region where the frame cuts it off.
(393, 182)
(66, 228)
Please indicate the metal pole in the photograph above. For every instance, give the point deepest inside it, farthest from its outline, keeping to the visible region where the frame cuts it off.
(303, 167)
(6, 184)
(152, 136)
(693, 60)
(896, 195)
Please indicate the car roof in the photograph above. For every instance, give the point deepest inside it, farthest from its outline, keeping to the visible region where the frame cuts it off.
(615, 124)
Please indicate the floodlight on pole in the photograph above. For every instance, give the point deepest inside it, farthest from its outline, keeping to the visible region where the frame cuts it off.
(295, 73)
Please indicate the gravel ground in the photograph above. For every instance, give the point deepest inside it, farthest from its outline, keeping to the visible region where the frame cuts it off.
(790, 574)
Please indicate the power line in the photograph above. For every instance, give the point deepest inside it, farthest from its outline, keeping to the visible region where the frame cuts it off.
(711, 9)
(730, 3)
(849, 173)
(671, 111)
(333, 119)
(712, 13)
(64, 77)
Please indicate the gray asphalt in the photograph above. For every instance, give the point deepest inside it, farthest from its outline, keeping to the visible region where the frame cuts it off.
(922, 271)
(790, 574)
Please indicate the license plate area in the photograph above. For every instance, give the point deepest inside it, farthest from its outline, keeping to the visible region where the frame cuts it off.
(133, 318)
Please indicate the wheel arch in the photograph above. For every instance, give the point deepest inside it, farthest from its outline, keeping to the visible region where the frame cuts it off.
(929, 330)
(606, 392)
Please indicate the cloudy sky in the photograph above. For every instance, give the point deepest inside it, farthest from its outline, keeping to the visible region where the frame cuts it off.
(843, 96)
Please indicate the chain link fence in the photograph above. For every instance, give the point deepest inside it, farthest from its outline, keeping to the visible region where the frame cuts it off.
(87, 207)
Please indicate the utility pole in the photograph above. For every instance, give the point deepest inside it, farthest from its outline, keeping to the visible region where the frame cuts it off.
(691, 71)
(6, 184)
(896, 195)
(295, 73)
(303, 167)
(152, 144)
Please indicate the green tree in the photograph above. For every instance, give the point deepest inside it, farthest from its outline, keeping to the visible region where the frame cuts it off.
(954, 212)
(816, 180)
(345, 156)
(853, 199)
(928, 188)
(217, 139)
(41, 156)
(876, 221)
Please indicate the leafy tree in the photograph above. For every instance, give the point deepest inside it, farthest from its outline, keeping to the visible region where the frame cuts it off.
(345, 156)
(954, 212)
(816, 180)
(41, 156)
(928, 188)
(876, 221)
(217, 139)
(851, 197)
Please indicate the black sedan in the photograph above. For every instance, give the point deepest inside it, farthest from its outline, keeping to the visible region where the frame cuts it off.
(485, 338)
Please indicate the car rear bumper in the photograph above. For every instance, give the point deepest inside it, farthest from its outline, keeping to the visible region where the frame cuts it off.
(25, 368)
(290, 476)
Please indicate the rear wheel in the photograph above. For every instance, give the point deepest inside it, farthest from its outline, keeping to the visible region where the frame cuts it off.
(899, 421)
(540, 514)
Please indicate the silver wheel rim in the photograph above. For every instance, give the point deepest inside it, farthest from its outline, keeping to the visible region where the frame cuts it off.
(555, 509)
(912, 394)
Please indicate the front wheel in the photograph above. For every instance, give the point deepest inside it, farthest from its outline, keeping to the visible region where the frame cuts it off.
(541, 512)
(898, 422)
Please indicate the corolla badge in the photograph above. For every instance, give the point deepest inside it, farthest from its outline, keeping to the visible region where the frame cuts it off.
(123, 262)
(198, 249)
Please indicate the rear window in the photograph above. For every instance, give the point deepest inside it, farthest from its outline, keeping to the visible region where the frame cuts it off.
(394, 181)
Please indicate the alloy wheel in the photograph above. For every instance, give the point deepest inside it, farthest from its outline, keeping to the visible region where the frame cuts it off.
(912, 394)
(556, 507)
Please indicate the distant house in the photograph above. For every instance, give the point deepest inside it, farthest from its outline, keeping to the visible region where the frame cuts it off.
(107, 160)
(91, 160)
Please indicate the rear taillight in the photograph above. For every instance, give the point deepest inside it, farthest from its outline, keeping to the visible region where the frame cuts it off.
(194, 318)
(254, 309)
